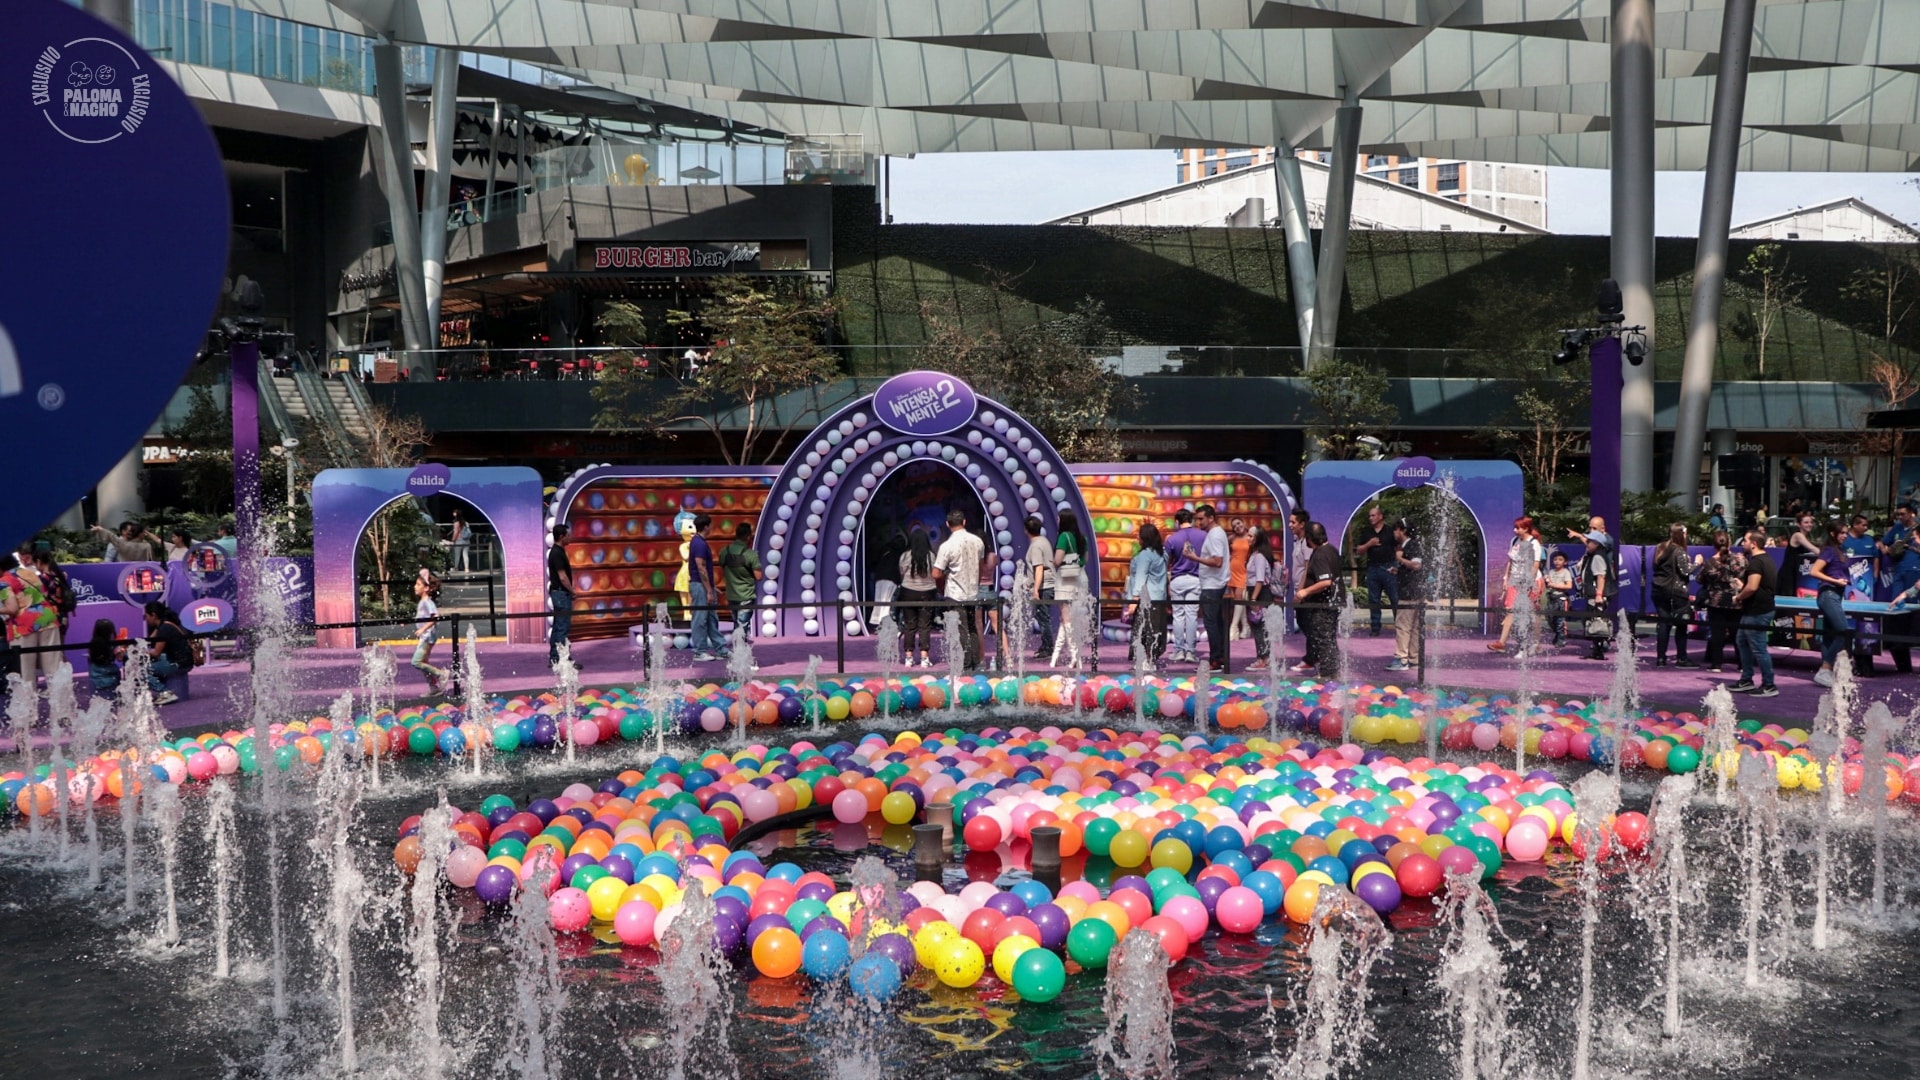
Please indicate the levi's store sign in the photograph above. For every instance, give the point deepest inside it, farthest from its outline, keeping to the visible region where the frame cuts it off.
(694, 258)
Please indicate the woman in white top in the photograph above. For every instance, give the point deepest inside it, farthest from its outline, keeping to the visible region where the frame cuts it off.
(1070, 586)
(1523, 578)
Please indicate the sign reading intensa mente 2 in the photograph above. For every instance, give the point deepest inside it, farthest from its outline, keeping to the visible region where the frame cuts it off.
(924, 403)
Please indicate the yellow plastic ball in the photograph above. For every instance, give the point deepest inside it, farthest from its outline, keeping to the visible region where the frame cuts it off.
(931, 938)
(1009, 950)
(604, 896)
(898, 808)
(1129, 849)
(1172, 854)
(960, 963)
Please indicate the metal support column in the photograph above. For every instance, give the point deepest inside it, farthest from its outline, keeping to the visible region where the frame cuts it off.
(1710, 253)
(1292, 197)
(395, 156)
(444, 109)
(1332, 274)
(1632, 255)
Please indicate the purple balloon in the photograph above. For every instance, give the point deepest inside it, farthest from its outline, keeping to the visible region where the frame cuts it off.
(495, 885)
(1210, 890)
(762, 924)
(728, 934)
(574, 863)
(898, 949)
(1053, 924)
(1379, 891)
(1136, 883)
(730, 907)
(544, 809)
(618, 866)
(815, 890)
(1007, 904)
(823, 924)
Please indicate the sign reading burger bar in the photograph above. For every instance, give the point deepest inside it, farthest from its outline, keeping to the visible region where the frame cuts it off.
(670, 257)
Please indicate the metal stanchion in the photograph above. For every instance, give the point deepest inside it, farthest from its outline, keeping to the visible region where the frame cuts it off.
(929, 852)
(1045, 861)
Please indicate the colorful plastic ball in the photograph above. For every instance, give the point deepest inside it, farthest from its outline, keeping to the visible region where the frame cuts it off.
(960, 963)
(1632, 827)
(1527, 840)
(825, 956)
(1240, 911)
(1190, 913)
(1378, 891)
(1007, 952)
(1302, 897)
(506, 738)
(983, 833)
(1128, 849)
(1173, 936)
(604, 896)
(495, 885)
(569, 910)
(1419, 875)
(777, 952)
(873, 976)
(1039, 975)
(1173, 854)
(464, 866)
(633, 923)
(1091, 941)
(1682, 759)
(849, 807)
(898, 808)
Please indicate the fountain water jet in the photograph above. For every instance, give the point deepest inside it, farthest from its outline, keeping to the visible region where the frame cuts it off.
(423, 936)
(1471, 978)
(539, 997)
(566, 674)
(338, 795)
(1138, 1041)
(955, 656)
(1344, 942)
(476, 724)
(1670, 858)
(699, 1004)
(166, 811)
(740, 669)
(886, 650)
(1597, 795)
(1880, 725)
(218, 834)
(63, 709)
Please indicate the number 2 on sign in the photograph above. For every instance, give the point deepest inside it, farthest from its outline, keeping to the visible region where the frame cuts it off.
(948, 398)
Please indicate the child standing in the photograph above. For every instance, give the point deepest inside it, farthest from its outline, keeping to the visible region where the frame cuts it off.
(427, 614)
(1559, 597)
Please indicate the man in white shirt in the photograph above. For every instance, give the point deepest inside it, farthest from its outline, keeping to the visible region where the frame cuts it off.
(1212, 557)
(957, 568)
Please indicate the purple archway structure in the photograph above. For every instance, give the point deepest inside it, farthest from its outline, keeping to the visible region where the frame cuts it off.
(345, 500)
(810, 527)
(1494, 492)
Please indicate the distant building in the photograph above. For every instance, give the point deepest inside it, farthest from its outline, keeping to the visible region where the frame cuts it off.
(1246, 196)
(1849, 218)
(1515, 192)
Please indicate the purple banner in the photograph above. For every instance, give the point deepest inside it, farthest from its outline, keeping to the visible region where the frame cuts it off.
(924, 403)
(1603, 470)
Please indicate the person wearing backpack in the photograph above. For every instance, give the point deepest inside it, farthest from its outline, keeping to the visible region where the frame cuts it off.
(170, 647)
(54, 580)
(1598, 587)
(740, 568)
(1673, 568)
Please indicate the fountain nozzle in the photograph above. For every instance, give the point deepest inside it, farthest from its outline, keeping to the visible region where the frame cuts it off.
(929, 852)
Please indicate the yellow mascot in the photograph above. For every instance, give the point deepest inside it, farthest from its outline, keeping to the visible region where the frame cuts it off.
(683, 524)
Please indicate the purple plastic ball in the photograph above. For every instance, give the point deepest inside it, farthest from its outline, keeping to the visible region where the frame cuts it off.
(1053, 924)
(728, 934)
(544, 809)
(1210, 890)
(574, 863)
(1007, 904)
(618, 866)
(495, 885)
(762, 924)
(1379, 891)
(815, 890)
(898, 949)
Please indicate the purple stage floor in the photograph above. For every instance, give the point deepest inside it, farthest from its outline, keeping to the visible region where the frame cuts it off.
(219, 693)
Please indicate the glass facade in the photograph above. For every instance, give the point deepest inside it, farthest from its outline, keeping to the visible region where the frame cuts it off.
(220, 36)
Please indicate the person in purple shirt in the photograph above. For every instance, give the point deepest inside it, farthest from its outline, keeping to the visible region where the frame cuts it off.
(1830, 570)
(1183, 585)
(703, 588)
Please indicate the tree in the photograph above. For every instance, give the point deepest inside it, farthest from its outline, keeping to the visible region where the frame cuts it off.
(1773, 289)
(1897, 386)
(768, 345)
(394, 442)
(1347, 403)
(1051, 373)
(1889, 288)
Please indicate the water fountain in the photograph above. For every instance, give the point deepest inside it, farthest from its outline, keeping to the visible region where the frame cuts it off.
(1276, 625)
(1142, 665)
(1345, 940)
(1670, 855)
(139, 724)
(740, 669)
(1138, 1041)
(1202, 694)
(23, 713)
(1597, 795)
(886, 650)
(423, 938)
(478, 721)
(166, 811)
(1471, 979)
(1719, 749)
(956, 657)
(1758, 808)
(85, 788)
(661, 704)
(810, 688)
(1020, 614)
(1880, 726)
(271, 656)
(699, 1005)
(218, 835)
(1623, 689)
(63, 709)
(338, 793)
(539, 998)
(379, 678)
(566, 674)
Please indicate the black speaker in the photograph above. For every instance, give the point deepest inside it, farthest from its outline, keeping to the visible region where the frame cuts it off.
(1743, 471)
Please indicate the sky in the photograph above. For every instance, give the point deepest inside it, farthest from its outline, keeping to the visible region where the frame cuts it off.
(1025, 188)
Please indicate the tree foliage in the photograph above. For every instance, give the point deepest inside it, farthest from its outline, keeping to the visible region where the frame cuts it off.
(395, 441)
(767, 343)
(1347, 403)
(1052, 374)
(1773, 288)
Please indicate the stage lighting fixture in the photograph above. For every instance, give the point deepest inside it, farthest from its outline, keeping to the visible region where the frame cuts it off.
(1612, 310)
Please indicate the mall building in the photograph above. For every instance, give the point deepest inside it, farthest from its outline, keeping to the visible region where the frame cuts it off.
(556, 156)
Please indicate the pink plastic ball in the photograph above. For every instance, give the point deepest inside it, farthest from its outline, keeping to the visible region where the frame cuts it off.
(569, 910)
(760, 805)
(585, 732)
(1459, 860)
(849, 807)
(203, 766)
(634, 922)
(227, 758)
(1191, 914)
(1239, 910)
(1486, 736)
(1171, 704)
(1527, 840)
(712, 719)
(464, 866)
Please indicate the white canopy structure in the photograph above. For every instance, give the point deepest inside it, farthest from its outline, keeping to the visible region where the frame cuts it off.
(1629, 85)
